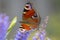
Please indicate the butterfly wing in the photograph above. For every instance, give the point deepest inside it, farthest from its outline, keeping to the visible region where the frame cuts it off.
(30, 16)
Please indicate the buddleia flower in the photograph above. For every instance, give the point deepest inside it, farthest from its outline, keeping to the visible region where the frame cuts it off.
(22, 34)
(4, 24)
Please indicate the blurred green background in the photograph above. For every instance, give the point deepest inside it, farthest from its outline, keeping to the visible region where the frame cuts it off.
(53, 28)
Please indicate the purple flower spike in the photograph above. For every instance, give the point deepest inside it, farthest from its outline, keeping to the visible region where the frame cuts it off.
(22, 35)
(4, 23)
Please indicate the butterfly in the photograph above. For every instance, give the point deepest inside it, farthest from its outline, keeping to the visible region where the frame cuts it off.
(30, 17)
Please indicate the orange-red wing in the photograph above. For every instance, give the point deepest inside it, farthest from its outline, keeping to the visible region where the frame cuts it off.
(28, 14)
(25, 26)
(33, 21)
